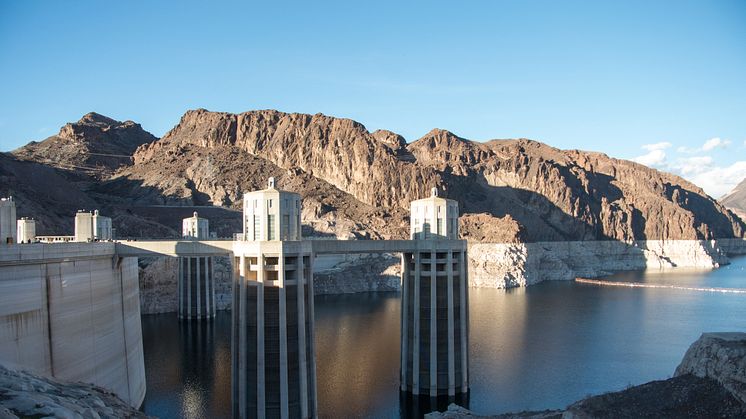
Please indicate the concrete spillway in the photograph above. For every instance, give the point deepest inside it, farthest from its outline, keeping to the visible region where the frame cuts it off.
(72, 311)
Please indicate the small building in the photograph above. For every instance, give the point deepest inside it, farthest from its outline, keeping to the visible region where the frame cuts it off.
(8, 220)
(92, 227)
(434, 218)
(26, 231)
(195, 227)
(271, 214)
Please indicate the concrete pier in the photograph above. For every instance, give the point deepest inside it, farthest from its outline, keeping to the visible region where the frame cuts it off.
(196, 288)
(274, 367)
(434, 323)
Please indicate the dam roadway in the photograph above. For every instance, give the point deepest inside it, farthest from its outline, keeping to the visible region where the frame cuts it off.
(145, 248)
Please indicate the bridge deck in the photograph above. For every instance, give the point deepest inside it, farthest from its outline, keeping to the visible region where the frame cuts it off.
(225, 247)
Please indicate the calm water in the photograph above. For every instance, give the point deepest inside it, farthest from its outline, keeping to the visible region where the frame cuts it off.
(537, 348)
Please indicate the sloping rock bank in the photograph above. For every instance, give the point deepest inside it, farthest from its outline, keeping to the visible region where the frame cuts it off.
(721, 357)
(709, 382)
(25, 395)
(507, 265)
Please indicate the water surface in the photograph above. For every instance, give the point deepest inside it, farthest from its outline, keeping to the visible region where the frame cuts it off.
(537, 348)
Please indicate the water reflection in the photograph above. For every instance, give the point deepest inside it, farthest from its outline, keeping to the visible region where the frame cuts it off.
(187, 366)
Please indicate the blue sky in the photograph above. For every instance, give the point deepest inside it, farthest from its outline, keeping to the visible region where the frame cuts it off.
(651, 80)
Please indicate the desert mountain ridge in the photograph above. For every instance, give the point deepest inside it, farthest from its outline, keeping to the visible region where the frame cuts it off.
(735, 200)
(359, 184)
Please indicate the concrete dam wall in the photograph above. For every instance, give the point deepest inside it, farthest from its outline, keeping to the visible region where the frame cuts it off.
(72, 311)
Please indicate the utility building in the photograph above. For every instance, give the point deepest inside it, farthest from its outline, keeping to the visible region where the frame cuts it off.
(92, 227)
(195, 227)
(434, 328)
(7, 220)
(271, 214)
(196, 275)
(26, 231)
(434, 218)
(273, 363)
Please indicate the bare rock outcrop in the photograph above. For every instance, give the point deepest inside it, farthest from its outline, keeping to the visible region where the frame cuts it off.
(721, 357)
(27, 395)
(94, 144)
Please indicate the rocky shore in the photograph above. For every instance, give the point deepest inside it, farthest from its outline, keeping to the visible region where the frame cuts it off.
(709, 382)
(491, 265)
(26, 395)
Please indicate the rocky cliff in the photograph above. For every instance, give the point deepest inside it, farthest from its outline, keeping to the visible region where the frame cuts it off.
(520, 189)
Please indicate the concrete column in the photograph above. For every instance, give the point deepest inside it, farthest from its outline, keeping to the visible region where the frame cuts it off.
(283, 338)
(208, 281)
(462, 260)
(302, 365)
(451, 348)
(197, 278)
(260, 401)
(433, 326)
(416, 313)
(212, 287)
(241, 304)
(188, 284)
(405, 258)
(180, 284)
(312, 337)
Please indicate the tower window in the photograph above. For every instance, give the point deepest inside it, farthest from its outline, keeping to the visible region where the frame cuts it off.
(270, 227)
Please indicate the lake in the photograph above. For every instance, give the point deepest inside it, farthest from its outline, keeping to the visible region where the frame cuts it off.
(535, 348)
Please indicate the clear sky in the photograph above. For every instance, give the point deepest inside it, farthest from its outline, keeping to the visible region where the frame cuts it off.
(660, 81)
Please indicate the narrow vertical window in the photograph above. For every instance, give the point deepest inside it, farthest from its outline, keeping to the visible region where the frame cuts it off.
(270, 226)
(257, 226)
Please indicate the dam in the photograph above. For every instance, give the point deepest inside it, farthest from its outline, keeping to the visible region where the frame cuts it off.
(72, 311)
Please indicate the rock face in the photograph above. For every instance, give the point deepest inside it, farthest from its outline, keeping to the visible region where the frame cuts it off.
(710, 382)
(25, 395)
(551, 194)
(721, 357)
(507, 265)
(93, 144)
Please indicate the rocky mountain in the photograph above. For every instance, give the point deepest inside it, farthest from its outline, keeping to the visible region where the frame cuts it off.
(359, 184)
(508, 190)
(93, 144)
(736, 200)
